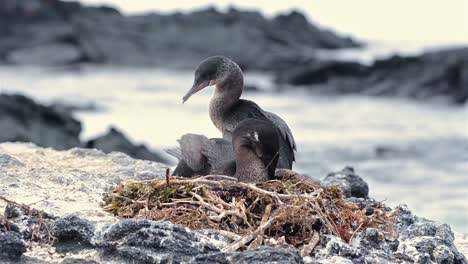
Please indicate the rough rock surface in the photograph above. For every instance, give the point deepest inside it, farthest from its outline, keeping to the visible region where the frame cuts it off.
(275, 255)
(431, 75)
(351, 184)
(414, 240)
(31, 29)
(115, 140)
(67, 182)
(22, 119)
(11, 245)
(72, 182)
(71, 227)
(146, 241)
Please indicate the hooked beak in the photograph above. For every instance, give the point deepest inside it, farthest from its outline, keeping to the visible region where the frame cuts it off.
(196, 88)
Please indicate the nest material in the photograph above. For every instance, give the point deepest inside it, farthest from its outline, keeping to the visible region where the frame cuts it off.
(38, 221)
(290, 212)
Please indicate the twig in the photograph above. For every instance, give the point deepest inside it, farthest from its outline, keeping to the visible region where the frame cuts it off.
(307, 248)
(259, 239)
(222, 213)
(311, 195)
(247, 238)
(216, 176)
(355, 231)
(168, 172)
(127, 199)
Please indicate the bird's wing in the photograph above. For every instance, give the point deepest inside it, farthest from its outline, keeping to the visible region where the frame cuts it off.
(192, 149)
(243, 110)
(218, 151)
(248, 109)
(175, 152)
(283, 128)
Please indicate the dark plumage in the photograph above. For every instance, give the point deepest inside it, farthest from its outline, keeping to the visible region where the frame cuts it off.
(256, 150)
(199, 155)
(252, 156)
(227, 110)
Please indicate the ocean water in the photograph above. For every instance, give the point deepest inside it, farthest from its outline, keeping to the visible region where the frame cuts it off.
(409, 152)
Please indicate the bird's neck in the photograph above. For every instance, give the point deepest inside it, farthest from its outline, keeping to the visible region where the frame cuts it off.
(250, 169)
(226, 94)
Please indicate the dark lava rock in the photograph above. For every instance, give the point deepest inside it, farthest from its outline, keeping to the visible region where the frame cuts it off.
(73, 228)
(22, 119)
(144, 241)
(12, 246)
(115, 140)
(351, 184)
(321, 72)
(212, 258)
(424, 240)
(413, 240)
(32, 30)
(258, 255)
(267, 255)
(28, 224)
(78, 261)
(72, 107)
(433, 74)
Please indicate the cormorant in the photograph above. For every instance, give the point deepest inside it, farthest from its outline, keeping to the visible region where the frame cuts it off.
(226, 108)
(251, 157)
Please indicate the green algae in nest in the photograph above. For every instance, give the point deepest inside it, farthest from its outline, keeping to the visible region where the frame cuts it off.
(291, 211)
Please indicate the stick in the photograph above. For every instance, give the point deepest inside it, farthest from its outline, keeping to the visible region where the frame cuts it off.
(246, 239)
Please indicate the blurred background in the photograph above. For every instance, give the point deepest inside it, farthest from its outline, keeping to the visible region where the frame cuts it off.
(377, 85)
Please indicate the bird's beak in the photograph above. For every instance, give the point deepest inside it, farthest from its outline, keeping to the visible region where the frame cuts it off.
(196, 88)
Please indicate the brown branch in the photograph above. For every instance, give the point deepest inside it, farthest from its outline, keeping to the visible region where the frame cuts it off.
(247, 238)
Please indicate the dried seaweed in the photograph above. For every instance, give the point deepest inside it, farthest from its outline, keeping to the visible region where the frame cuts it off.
(289, 212)
(38, 223)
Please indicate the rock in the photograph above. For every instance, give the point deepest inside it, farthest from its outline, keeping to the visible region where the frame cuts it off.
(12, 246)
(321, 72)
(46, 54)
(104, 35)
(443, 254)
(71, 227)
(78, 261)
(68, 182)
(71, 107)
(420, 245)
(351, 184)
(336, 247)
(267, 255)
(29, 225)
(214, 258)
(115, 140)
(433, 74)
(22, 119)
(146, 241)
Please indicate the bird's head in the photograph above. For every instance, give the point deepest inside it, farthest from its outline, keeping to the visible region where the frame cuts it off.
(212, 71)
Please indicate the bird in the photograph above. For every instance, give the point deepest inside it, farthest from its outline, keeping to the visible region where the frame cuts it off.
(256, 150)
(252, 156)
(227, 110)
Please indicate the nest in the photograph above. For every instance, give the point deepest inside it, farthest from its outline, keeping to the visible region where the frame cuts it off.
(288, 212)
